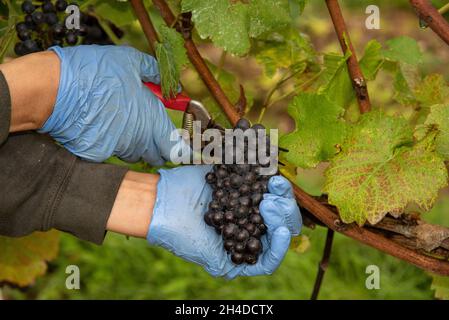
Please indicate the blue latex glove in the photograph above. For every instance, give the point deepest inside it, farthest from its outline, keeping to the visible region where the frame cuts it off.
(103, 109)
(178, 223)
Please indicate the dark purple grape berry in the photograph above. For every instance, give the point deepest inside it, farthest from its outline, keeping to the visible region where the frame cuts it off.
(227, 183)
(239, 247)
(24, 35)
(257, 233)
(217, 218)
(236, 180)
(229, 216)
(257, 187)
(237, 258)
(229, 244)
(30, 46)
(61, 5)
(230, 230)
(211, 178)
(256, 219)
(29, 22)
(28, 7)
(256, 198)
(51, 18)
(242, 221)
(245, 201)
(48, 6)
(253, 245)
(224, 201)
(234, 194)
(208, 218)
(244, 189)
(263, 228)
(19, 49)
(250, 227)
(21, 27)
(221, 173)
(38, 17)
(214, 205)
(242, 235)
(249, 178)
(219, 193)
(232, 204)
(241, 212)
(219, 183)
(243, 124)
(250, 259)
(258, 126)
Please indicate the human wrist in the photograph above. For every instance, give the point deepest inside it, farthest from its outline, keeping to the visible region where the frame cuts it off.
(133, 207)
(33, 82)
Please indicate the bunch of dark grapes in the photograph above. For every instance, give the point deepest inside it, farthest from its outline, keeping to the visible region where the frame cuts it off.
(44, 26)
(234, 210)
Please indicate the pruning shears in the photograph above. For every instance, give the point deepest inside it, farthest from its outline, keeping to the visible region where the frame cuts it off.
(193, 110)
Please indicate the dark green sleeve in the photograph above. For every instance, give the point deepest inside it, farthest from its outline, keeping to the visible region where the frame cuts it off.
(43, 186)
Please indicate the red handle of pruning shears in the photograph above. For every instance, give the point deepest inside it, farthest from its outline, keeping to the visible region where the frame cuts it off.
(180, 102)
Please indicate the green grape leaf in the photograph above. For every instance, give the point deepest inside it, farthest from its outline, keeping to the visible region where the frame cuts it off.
(289, 50)
(406, 80)
(438, 118)
(403, 49)
(337, 83)
(319, 129)
(171, 55)
(372, 59)
(441, 286)
(118, 12)
(24, 259)
(432, 90)
(262, 19)
(231, 24)
(379, 171)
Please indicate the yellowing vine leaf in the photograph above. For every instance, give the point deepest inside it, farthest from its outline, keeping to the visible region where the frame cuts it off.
(379, 171)
(231, 24)
(319, 129)
(289, 50)
(24, 259)
(432, 90)
(438, 118)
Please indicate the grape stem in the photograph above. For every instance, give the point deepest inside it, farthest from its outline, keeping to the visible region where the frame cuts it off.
(319, 209)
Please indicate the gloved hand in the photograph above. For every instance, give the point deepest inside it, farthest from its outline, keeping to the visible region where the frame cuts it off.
(103, 109)
(178, 223)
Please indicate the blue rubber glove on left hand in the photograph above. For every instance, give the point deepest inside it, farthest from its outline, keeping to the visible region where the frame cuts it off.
(103, 109)
(178, 223)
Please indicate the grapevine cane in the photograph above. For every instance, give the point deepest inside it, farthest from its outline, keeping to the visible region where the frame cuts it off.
(432, 18)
